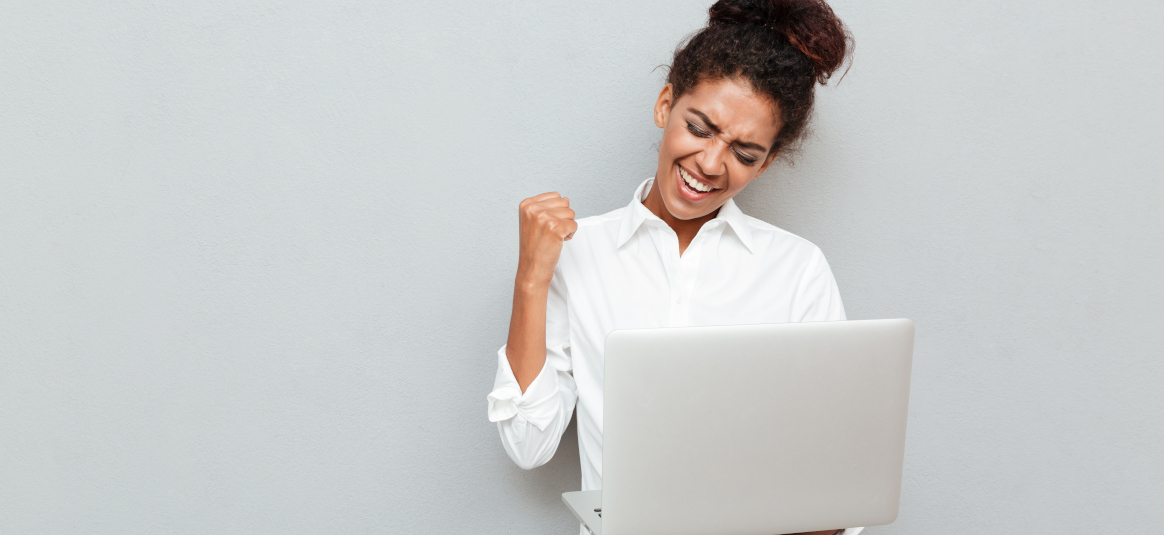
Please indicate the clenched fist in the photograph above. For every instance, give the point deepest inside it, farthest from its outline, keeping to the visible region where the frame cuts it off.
(546, 222)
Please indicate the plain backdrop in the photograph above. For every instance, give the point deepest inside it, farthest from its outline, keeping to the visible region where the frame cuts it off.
(256, 258)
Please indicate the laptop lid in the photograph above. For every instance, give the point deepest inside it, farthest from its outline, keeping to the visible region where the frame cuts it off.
(754, 429)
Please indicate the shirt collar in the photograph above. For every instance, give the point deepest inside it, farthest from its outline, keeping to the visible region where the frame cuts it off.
(737, 221)
(636, 214)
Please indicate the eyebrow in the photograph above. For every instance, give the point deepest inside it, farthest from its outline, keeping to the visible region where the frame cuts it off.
(711, 125)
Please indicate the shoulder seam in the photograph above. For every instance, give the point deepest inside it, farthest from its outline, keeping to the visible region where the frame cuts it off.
(760, 224)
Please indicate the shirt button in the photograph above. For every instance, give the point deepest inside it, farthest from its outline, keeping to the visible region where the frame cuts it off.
(679, 300)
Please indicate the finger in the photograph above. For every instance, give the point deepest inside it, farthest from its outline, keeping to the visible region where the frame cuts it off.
(540, 212)
(544, 196)
(560, 213)
(570, 227)
(554, 203)
(533, 208)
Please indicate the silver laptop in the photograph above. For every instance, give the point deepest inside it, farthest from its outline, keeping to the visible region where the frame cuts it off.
(751, 429)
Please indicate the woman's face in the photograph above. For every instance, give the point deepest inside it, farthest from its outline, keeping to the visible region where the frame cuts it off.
(716, 139)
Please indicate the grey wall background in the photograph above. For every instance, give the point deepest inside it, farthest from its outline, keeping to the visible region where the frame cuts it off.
(256, 258)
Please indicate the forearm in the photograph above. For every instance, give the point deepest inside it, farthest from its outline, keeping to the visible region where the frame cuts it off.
(526, 346)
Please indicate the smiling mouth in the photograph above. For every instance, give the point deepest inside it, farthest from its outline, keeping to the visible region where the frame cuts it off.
(694, 184)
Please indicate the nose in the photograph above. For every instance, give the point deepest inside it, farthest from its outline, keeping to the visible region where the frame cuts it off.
(712, 160)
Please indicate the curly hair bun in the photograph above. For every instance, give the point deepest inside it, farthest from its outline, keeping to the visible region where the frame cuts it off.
(782, 48)
(809, 25)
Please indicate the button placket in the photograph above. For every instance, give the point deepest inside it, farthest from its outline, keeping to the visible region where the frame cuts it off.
(668, 243)
(689, 267)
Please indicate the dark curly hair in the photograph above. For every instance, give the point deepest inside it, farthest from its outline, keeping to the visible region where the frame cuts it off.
(782, 47)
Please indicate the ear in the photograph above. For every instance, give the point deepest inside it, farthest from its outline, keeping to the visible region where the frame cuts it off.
(663, 105)
(768, 161)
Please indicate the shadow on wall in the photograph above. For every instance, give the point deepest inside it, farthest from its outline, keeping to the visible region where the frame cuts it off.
(540, 490)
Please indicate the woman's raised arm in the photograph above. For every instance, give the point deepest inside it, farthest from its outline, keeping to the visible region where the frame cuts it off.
(546, 222)
(534, 393)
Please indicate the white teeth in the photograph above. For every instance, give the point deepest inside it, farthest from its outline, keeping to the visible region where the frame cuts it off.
(695, 184)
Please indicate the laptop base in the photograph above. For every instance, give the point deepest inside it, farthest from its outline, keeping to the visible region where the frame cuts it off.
(587, 506)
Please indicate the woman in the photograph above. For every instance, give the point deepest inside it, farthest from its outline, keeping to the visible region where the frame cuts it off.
(739, 94)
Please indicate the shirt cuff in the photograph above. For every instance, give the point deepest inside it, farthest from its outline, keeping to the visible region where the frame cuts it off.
(536, 406)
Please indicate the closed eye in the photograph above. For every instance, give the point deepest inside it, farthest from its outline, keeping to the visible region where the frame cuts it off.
(697, 130)
(745, 159)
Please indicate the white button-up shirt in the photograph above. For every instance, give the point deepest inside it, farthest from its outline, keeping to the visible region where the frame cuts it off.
(623, 270)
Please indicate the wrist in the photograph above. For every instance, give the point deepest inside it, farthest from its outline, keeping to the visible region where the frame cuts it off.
(531, 289)
(529, 281)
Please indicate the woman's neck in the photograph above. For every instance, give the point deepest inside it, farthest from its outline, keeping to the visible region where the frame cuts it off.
(685, 229)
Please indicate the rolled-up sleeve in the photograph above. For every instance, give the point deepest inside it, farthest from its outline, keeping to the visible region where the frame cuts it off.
(531, 423)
